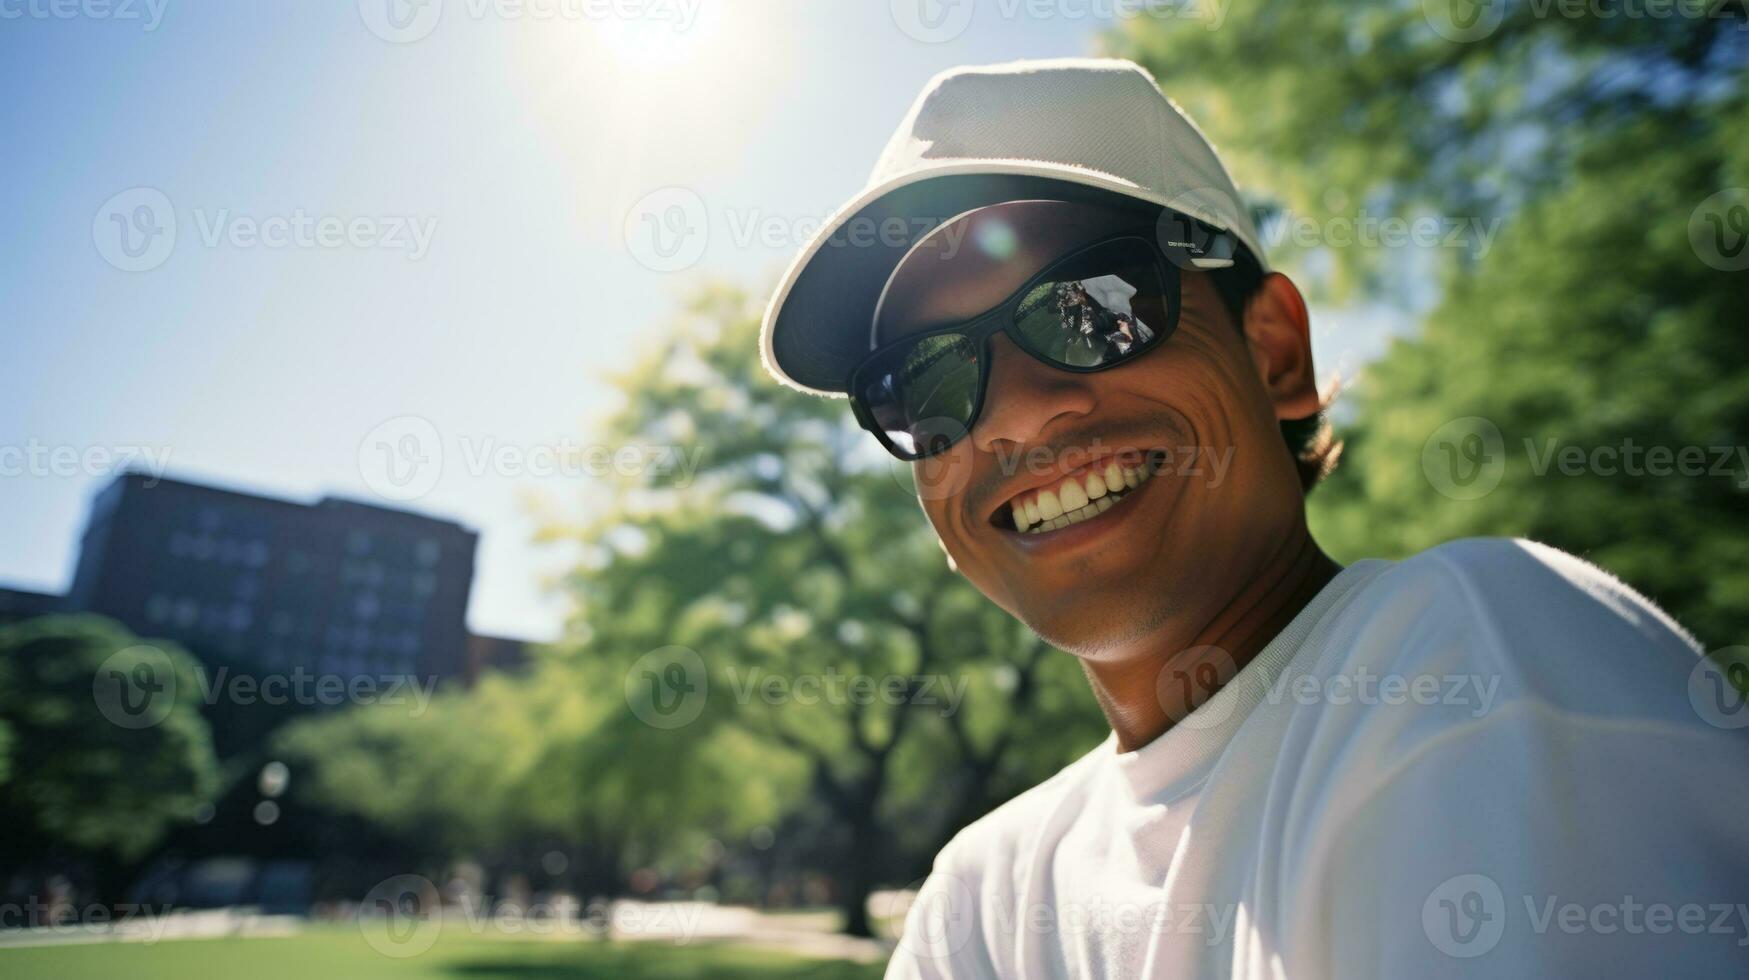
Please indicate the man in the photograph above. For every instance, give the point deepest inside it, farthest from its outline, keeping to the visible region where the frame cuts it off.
(1489, 758)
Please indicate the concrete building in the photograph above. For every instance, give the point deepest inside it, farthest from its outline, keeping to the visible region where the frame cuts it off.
(17, 604)
(260, 585)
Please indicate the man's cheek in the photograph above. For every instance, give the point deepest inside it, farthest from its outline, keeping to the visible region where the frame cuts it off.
(945, 537)
(942, 477)
(962, 555)
(942, 542)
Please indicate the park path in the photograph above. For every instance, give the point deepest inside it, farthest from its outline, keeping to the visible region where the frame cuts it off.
(799, 933)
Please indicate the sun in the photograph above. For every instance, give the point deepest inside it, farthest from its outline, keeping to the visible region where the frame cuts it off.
(670, 37)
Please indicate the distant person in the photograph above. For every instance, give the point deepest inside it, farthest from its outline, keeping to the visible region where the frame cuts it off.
(1491, 758)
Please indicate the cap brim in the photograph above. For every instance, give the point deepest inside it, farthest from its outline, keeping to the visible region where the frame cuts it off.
(816, 328)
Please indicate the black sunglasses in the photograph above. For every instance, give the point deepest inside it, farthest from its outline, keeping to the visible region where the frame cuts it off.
(1095, 308)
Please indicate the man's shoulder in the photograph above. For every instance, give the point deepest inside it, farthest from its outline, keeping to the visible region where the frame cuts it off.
(1000, 837)
(1514, 574)
(1523, 588)
(1540, 623)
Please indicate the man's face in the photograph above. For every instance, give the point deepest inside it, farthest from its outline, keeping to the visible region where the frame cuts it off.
(1209, 493)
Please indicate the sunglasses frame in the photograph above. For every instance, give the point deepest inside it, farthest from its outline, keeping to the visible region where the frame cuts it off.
(1001, 319)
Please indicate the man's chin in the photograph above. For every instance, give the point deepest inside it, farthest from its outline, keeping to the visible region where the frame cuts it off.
(1097, 629)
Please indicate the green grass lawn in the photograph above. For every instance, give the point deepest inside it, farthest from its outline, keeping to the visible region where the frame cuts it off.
(340, 953)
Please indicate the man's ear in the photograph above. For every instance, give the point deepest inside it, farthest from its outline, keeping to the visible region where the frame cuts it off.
(1278, 332)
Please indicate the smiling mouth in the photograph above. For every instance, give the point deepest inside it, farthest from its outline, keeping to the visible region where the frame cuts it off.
(1079, 496)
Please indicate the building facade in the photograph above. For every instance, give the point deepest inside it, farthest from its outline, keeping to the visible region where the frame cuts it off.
(20, 604)
(262, 586)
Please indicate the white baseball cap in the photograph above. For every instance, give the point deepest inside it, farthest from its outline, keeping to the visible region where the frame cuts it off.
(1096, 130)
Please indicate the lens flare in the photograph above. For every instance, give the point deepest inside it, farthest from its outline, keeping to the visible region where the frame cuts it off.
(996, 239)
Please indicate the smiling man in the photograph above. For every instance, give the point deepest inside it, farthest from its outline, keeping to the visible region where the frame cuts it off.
(1487, 758)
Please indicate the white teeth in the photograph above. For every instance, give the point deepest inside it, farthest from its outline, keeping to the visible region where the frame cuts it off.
(1049, 507)
(1077, 500)
(1073, 496)
(1077, 515)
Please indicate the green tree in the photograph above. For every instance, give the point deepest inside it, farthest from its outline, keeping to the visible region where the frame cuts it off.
(1597, 323)
(520, 765)
(795, 561)
(107, 747)
(1595, 331)
(1330, 108)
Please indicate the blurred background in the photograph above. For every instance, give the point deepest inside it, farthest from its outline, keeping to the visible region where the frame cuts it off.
(408, 568)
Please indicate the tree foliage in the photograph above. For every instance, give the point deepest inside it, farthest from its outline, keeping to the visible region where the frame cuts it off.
(1594, 327)
(78, 779)
(796, 563)
(522, 764)
(1325, 109)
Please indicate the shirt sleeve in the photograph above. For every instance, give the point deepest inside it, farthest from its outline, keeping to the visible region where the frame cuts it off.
(1589, 823)
(942, 937)
(1540, 845)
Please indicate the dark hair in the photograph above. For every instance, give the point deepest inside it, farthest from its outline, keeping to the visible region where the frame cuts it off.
(1310, 440)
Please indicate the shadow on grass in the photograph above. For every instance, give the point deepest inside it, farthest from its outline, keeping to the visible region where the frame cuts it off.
(702, 961)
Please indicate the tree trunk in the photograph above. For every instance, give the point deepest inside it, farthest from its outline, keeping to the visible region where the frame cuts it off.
(865, 854)
(861, 874)
(112, 879)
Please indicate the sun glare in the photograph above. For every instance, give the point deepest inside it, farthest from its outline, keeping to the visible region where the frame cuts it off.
(676, 42)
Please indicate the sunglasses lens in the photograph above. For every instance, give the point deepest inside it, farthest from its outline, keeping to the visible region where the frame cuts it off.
(1095, 310)
(1105, 305)
(923, 396)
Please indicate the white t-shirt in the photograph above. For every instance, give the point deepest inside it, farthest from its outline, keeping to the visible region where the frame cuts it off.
(1490, 759)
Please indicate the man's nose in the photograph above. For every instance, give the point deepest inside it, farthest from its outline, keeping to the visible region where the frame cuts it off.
(1026, 397)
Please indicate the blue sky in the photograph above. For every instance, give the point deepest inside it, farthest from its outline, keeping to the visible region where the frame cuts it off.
(471, 188)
